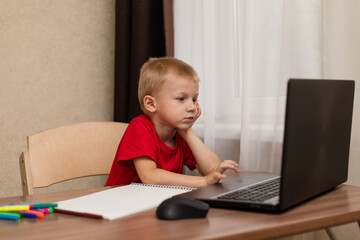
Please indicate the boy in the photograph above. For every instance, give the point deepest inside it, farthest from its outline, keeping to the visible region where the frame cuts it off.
(157, 145)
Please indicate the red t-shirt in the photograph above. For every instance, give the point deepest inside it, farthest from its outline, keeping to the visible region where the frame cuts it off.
(140, 139)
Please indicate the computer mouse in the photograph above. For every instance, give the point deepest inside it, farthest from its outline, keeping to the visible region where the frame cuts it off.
(180, 208)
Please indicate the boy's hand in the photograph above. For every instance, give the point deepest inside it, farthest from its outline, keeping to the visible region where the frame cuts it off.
(183, 132)
(198, 108)
(217, 173)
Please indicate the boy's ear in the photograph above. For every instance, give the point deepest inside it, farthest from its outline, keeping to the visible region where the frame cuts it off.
(150, 103)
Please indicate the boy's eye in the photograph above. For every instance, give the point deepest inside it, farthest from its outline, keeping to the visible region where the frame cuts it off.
(195, 100)
(181, 99)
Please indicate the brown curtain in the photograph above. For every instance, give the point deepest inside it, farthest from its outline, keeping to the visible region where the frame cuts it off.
(144, 28)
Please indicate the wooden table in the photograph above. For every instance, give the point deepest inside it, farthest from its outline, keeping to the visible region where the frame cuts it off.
(334, 208)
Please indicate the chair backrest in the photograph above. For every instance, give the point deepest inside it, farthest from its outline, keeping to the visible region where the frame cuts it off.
(69, 152)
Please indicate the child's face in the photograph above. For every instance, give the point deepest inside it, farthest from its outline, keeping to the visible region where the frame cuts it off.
(176, 102)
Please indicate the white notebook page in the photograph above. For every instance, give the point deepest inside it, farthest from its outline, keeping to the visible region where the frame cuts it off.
(121, 201)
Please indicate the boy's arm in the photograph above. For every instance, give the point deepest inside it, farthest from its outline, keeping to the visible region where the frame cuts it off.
(149, 173)
(206, 160)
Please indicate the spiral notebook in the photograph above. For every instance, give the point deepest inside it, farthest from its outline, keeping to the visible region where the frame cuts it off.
(120, 201)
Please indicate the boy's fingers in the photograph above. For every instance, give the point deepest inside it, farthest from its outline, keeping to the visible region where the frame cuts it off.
(220, 176)
(231, 164)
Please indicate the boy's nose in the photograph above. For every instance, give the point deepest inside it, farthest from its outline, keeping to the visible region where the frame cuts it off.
(191, 107)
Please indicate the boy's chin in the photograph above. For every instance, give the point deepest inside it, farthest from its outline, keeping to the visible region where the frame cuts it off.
(185, 126)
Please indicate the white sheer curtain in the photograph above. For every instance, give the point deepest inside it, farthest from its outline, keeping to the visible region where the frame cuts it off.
(245, 51)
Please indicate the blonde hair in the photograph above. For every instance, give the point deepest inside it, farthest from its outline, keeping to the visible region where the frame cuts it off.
(155, 71)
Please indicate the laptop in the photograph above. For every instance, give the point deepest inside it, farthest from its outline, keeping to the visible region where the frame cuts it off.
(315, 153)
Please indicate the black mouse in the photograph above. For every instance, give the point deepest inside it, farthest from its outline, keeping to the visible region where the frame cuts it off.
(181, 208)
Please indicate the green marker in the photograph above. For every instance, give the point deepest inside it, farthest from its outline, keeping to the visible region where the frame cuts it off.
(44, 205)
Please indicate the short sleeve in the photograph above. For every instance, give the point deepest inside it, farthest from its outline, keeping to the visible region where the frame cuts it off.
(138, 141)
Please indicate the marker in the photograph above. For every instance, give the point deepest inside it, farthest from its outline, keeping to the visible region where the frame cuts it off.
(37, 213)
(24, 203)
(43, 210)
(46, 210)
(9, 216)
(11, 208)
(30, 203)
(44, 205)
(23, 214)
(27, 215)
(14, 213)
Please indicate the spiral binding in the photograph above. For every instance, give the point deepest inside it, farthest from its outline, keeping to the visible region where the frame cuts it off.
(164, 186)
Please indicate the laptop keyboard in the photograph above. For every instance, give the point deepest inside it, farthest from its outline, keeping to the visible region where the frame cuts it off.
(257, 193)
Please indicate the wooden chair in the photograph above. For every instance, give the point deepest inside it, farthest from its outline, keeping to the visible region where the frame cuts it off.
(69, 152)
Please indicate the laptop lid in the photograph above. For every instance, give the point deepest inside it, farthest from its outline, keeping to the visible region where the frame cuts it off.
(315, 150)
(316, 138)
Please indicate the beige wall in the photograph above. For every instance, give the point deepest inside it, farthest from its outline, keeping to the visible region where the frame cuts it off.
(56, 68)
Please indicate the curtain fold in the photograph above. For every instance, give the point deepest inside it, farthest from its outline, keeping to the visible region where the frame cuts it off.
(245, 51)
(169, 27)
(140, 34)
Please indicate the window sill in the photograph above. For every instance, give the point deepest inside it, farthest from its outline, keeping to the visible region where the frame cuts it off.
(230, 128)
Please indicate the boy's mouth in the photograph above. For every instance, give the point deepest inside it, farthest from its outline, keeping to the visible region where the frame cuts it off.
(189, 119)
